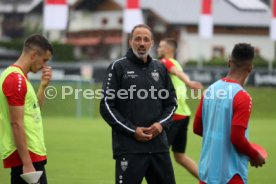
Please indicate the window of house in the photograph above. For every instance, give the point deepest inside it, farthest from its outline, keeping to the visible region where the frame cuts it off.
(218, 52)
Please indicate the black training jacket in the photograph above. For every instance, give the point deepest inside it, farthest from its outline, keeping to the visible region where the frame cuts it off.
(124, 110)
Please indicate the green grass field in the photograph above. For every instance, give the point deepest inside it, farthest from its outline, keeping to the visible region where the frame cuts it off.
(79, 150)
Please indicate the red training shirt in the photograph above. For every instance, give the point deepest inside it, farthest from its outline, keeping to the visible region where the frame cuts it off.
(242, 106)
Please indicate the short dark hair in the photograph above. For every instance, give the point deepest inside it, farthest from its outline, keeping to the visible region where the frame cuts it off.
(242, 53)
(37, 40)
(141, 26)
(170, 41)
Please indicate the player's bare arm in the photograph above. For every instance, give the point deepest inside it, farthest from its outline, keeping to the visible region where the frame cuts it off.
(46, 77)
(185, 78)
(16, 117)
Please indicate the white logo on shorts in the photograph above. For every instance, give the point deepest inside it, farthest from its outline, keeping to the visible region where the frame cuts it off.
(124, 164)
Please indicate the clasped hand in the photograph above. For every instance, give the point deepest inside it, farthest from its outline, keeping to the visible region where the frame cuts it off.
(144, 134)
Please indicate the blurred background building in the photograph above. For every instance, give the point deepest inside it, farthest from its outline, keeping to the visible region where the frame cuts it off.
(94, 32)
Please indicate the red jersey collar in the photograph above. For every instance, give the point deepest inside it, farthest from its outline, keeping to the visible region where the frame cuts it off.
(14, 65)
(229, 80)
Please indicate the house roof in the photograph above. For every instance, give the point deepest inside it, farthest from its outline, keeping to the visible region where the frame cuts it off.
(90, 4)
(94, 5)
(224, 13)
(244, 5)
(24, 6)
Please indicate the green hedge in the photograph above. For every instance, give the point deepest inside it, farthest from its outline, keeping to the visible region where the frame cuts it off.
(259, 62)
(63, 52)
(15, 44)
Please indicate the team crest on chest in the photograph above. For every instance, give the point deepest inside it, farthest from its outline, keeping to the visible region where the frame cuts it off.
(155, 75)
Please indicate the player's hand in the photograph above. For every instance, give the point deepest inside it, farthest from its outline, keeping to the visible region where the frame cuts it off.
(28, 168)
(141, 135)
(259, 162)
(155, 129)
(46, 75)
(195, 85)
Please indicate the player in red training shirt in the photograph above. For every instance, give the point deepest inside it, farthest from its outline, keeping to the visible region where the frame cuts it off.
(22, 146)
(222, 121)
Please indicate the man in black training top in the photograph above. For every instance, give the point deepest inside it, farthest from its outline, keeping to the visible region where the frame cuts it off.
(138, 103)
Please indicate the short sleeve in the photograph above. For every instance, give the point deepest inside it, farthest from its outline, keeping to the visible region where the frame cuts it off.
(168, 64)
(14, 88)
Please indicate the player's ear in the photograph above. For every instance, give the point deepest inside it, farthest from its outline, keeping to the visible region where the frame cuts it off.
(33, 55)
(129, 42)
(229, 63)
(250, 68)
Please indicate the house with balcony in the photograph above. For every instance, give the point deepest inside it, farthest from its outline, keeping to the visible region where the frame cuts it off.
(95, 27)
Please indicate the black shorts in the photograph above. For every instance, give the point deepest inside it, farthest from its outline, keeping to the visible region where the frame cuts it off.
(17, 171)
(177, 135)
(155, 167)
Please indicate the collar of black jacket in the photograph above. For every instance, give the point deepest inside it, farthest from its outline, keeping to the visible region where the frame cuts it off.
(132, 57)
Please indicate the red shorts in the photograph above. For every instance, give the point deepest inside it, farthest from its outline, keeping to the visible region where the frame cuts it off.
(235, 180)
